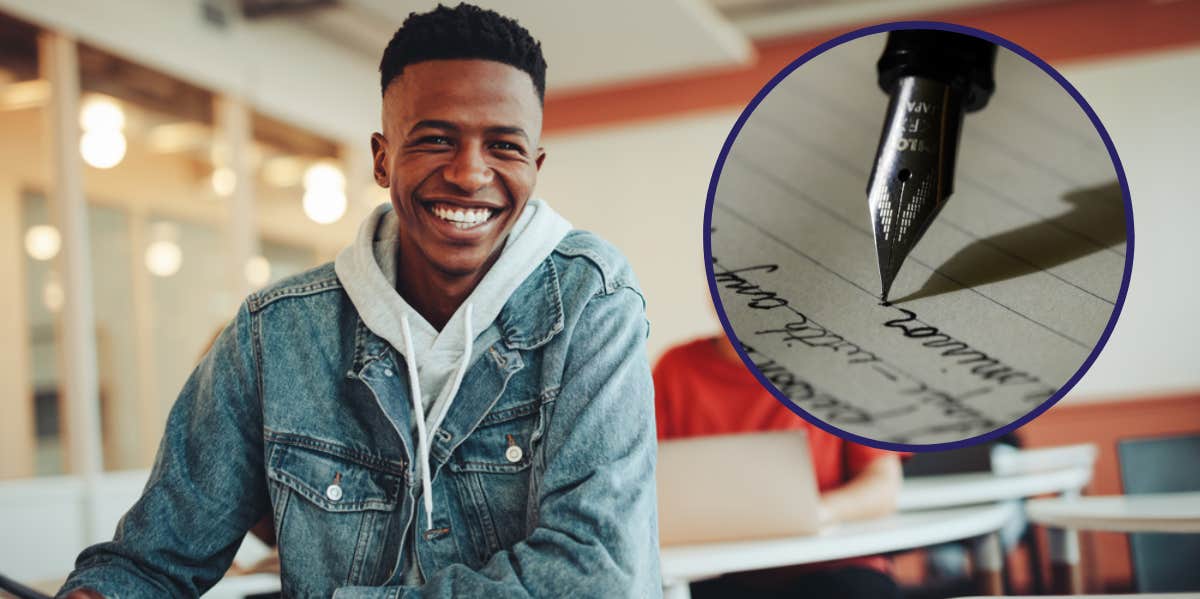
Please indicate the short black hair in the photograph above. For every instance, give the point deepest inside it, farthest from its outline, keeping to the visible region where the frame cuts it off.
(465, 31)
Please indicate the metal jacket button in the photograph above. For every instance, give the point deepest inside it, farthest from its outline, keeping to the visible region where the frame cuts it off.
(513, 454)
(333, 492)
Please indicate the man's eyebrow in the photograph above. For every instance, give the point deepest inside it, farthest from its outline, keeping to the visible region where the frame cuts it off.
(448, 126)
(505, 130)
(433, 124)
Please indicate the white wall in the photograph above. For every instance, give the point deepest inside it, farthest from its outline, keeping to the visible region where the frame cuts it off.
(1148, 105)
(642, 187)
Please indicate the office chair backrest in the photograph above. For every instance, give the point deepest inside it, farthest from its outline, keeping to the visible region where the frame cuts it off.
(19, 590)
(1162, 562)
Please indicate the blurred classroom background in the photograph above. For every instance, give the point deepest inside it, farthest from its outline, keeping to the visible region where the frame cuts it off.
(160, 159)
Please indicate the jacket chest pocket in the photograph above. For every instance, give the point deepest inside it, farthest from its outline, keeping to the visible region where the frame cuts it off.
(333, 515)
(491, 472)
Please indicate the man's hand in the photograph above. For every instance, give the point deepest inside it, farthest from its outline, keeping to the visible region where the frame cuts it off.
(870, 494)
(825, 515)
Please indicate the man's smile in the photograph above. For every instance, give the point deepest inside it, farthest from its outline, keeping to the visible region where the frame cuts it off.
(460, 220)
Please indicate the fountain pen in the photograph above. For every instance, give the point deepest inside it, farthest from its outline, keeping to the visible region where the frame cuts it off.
(932, 78)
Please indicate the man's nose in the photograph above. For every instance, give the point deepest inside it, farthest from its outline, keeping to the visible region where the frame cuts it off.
(468, 170)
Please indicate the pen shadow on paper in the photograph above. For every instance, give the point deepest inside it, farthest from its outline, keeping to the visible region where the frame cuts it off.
(1095, 223)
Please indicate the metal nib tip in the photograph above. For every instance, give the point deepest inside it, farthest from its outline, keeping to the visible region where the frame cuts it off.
(914, 170)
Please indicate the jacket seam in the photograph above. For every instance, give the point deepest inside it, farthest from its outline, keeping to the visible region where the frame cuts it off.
(255, 326)
(262, 299)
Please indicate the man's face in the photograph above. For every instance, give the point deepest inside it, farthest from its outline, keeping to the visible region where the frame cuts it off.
(460, 155)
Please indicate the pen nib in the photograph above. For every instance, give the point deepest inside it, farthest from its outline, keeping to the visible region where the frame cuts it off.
(902, 207)
(913, 172)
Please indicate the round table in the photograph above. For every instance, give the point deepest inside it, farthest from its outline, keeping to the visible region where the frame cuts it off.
(684, 564)
(945, 490)
(1153, 512)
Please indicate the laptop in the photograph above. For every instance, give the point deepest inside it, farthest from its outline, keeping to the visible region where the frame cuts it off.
(736, 487)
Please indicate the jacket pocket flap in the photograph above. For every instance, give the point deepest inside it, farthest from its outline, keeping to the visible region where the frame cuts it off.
(332, 483)
(502, 447)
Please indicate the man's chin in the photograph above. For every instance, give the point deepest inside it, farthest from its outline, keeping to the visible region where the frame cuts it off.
(466, 265)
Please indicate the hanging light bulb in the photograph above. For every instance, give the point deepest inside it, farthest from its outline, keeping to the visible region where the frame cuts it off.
(224, 181)
(324, 193)
(324, 175)
(324, 206)
(101, 113)
(163, 256)
(42, 242)
(102, 148)
(52, 293)
(258, 271)
(102, 145)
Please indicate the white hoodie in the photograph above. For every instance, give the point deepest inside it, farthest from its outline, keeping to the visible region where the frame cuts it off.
(437, 360)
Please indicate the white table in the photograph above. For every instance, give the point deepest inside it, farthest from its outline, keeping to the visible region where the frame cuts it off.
(682, 565)
(237, 587)
(1157, 512)
(925, 492)
(1169, 512)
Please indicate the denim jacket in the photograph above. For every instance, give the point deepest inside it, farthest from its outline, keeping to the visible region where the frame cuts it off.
(543, 469)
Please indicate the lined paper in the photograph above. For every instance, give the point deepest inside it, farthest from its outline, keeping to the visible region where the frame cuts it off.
(996, 308)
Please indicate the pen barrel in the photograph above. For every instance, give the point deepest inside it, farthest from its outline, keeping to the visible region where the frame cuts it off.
(963, 62)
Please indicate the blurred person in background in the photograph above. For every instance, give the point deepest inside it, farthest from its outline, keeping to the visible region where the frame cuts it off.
(703, 388)
(460, 405)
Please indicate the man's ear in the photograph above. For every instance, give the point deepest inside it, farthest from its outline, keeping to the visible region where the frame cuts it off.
(379, 158)
(541, 157)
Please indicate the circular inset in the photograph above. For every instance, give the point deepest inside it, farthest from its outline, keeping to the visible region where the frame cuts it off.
(935, 284)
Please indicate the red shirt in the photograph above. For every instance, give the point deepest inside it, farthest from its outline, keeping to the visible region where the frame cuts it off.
(699, 391)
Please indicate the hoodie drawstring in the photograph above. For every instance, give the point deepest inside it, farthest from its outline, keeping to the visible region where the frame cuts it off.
(414, 385)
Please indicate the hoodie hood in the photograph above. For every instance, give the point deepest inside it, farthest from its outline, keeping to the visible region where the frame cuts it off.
(437, 360)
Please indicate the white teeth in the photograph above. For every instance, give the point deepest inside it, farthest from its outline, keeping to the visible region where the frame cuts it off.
(462, 219)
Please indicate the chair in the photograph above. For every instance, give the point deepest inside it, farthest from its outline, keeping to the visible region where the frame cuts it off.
(19, 590)
(1162, 562)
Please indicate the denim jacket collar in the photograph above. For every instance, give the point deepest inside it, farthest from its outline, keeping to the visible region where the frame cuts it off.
(530, 318)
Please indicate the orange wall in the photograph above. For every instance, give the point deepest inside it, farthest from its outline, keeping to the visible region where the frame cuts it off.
(1058, 32)
(1106, 555)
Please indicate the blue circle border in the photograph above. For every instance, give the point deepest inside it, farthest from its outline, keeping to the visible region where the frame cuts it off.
(817, 51)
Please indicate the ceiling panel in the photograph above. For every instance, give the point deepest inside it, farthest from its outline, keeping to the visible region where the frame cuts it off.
(586, 43)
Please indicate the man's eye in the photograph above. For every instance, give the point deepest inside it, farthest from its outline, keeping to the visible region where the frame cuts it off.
(508, 147)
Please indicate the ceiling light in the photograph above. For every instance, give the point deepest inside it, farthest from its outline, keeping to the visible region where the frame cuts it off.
(324, 206)
(42, 242)
(224, 181)
(163, 258)
(258, 271)
(52, 293)
(102, 148)
(324, 175)
(101, 113)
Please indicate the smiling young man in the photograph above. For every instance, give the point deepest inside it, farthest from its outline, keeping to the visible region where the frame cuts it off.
(460, 405)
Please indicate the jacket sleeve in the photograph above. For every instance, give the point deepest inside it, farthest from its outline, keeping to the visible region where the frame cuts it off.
(205, 490)
(597, 533)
